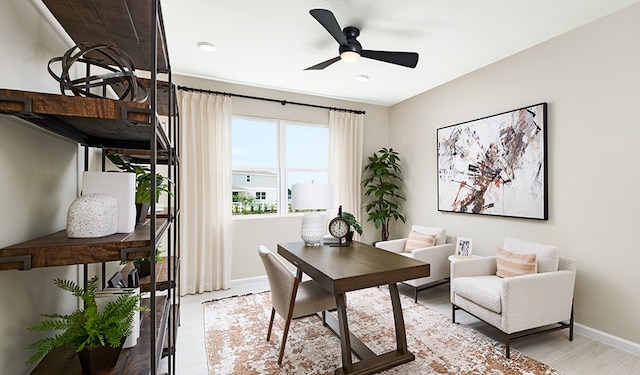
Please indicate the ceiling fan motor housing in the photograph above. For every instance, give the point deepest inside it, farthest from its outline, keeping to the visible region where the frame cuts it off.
(351, 33)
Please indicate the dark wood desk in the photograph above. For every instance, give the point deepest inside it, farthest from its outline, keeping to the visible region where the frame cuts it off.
(359, 266)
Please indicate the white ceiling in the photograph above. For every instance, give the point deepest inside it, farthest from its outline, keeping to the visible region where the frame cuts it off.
(269, 43)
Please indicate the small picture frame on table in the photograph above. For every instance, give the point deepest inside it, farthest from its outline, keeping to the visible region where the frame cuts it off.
(464, 247)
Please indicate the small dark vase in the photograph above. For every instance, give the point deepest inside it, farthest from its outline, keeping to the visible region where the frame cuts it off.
(141, 212)
(349, 236)
(144, 269)
(99, 358)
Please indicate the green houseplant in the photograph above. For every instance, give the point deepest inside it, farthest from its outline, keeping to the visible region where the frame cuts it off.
(354, 225)
(143, 183)
(88, 328)
(381, 183)
(143, 265)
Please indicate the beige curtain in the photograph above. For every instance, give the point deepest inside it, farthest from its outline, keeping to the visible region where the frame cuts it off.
(345, 159)
(205, 198)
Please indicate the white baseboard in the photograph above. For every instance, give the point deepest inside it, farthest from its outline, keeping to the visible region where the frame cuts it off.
(259, 282)
(606, 338)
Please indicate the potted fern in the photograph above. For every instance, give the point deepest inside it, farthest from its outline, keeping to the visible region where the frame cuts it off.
(97, 336)
(381, 182)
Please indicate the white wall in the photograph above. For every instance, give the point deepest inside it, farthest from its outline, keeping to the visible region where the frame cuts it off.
(590, 77)
(249, 233)
(39, 181)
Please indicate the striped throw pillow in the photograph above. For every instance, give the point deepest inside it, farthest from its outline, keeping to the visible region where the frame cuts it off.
(514, 264)
(418, 240)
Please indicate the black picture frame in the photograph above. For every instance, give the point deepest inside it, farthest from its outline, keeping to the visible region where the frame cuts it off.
(495, 165)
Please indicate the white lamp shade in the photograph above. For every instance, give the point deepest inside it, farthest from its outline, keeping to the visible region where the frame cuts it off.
(311, 196)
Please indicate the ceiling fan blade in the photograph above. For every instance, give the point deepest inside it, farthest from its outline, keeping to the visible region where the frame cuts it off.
(328, 21)
(408, 59)
(323, 64)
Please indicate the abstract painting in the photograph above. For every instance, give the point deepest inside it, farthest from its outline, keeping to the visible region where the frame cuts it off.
(495, 165)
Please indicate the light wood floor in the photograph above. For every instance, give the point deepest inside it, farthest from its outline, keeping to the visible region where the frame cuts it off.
(583, 356)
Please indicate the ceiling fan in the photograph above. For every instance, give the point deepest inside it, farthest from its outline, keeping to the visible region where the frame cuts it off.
(350, 49)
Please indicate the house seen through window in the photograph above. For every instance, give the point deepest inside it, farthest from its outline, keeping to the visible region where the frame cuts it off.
(270, 155)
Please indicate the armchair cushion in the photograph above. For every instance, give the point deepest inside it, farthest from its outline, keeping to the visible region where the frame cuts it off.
(418, 240)
(511, 264)
(483, 290)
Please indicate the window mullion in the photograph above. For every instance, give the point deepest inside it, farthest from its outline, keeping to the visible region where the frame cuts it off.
(282, 168)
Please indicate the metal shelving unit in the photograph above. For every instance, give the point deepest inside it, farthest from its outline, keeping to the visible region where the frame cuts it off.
(136, 27)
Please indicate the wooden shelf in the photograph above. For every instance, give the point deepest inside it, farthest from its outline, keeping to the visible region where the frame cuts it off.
(174, 316)
(121, 23)
(162, 94)
(162, 275)
(139, 156)
(133, 360)
(95, 122)
(58, 250)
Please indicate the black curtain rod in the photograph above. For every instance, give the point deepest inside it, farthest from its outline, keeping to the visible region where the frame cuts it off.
(283, 102)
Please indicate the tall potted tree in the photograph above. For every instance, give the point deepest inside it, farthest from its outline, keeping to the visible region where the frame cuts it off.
(381, 183)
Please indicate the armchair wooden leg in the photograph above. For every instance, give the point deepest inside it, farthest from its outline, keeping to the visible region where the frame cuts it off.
(453, 313)
(273, 314)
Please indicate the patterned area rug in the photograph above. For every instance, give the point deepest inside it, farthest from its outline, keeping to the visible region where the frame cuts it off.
(236, 330)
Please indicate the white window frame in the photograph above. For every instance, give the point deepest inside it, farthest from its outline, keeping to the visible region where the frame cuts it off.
(282, 171)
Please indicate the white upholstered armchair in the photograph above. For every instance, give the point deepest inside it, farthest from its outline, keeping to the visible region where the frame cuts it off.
(418, 246)
(533, 294)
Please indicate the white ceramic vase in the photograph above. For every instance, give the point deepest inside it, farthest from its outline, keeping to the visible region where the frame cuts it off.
(92, 215)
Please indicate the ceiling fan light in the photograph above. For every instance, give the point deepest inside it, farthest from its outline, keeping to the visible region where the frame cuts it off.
(206, 46)
(350, 56)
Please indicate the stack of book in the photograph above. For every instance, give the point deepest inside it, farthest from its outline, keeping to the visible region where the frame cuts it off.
(330, 240)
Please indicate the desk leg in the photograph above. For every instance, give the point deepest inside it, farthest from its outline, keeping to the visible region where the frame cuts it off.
(401, 336)
(345, 340)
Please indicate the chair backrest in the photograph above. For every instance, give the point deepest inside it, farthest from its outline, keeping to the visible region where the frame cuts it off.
(281, 280)
(567, 264)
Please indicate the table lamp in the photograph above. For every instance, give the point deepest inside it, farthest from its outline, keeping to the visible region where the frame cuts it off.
(312, 197)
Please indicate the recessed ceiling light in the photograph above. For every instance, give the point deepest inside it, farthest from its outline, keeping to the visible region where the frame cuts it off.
(362, 78)
(206, 46)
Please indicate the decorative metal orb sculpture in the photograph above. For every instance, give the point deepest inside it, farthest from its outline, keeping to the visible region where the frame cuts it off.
(114, 69)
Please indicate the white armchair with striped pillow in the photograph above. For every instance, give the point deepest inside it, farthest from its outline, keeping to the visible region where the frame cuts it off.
(430, 245)
(526, 288)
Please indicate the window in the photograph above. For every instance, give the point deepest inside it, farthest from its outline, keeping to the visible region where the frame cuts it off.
(270, 155)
